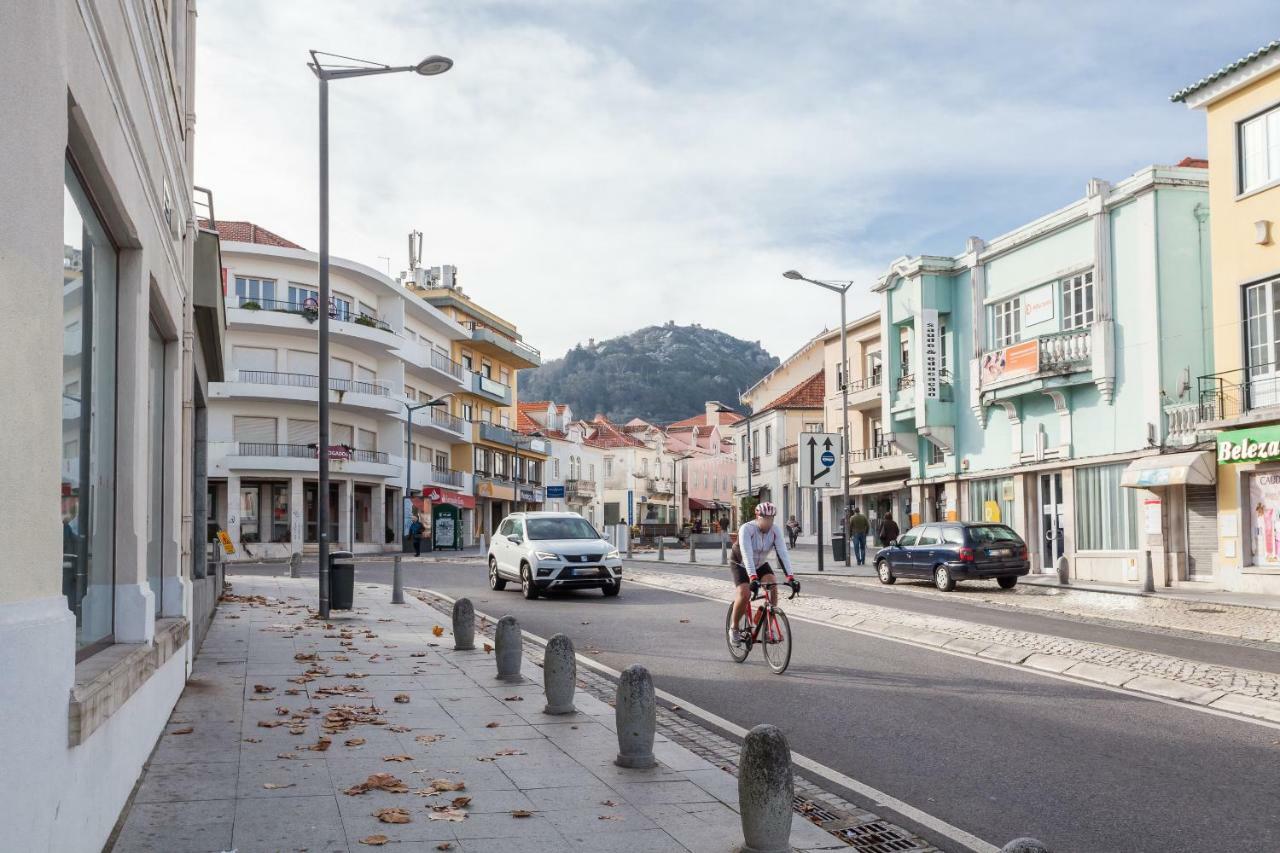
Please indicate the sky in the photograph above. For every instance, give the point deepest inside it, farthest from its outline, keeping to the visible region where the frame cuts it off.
(594, 166)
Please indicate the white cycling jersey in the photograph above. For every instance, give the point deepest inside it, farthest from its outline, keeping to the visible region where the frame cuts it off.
(755, 545)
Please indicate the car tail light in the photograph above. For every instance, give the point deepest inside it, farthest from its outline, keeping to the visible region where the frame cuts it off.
(1022, 553)
(966, 555)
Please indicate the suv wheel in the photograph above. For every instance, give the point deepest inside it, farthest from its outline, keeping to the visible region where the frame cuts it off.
(526, 583)
(942, 579)
(1008, 581)
(612, 588)
(884, 572)
(495, 580)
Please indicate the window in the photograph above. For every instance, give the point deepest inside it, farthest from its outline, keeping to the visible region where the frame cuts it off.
(340, 306)
(486, 370)
(411, 392)
(340, 368)
(366, 439)
(904, 349)
(300, 361)
(367, 310)
(953, 535)
(930, 536)
(744, 445)
(561, 528)
(1006, 322)
(936, 456)
(909, 538)
(504, 376)
(768, 440)
(303, 432)
(877, 435)
(249, 513)
(813, 426)
(608, 466)
(942, 346)
(591, 469)
(467, 363)
(1262, 322)
(300, 293)
(990, 500)
(256, 290)
(468, 412)
(555, 469)
(1260, 150)
(364, 374)
(253, 430)
(280, 512)
(253, 358)
(342, 434)
(755, 438)
(1077, 301)
(875, 367)
(1106, 512)
(157, 404)
(442, 461)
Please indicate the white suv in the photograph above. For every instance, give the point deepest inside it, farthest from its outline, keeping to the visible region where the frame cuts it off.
(543, 551)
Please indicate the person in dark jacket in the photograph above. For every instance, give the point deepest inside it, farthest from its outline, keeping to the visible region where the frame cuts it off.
(416, 529)
(888, 530)
(859, 526)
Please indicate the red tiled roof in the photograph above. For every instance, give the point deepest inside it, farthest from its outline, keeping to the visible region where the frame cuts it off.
(608, 434)
(240, 231)
(1194, 162)
(726, 418)
(809, 394)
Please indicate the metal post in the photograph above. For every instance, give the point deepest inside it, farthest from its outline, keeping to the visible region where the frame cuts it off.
(408, 479)
(661, 553)
(724, 548)
(844, 404)
(322, 451)
(819, 513)
(397, 582)
(751, 449)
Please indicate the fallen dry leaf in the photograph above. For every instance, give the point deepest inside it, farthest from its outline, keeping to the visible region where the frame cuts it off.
(262, 688)
(684, 621)
(461, 802)
(269, 724)
(321, 745)
(355, 741)
(398, 729)
(397, 758)
(253, 740)
(488, 648)
(514, 699)
(392, 814)
(375, 840)
(275, 786)
(378, 782)
(522, 813)
(402, 698)
(427, 739)
(609, 817)
(445, 845)
(292, 755)
(609, 803)
(448, 785)
(418, 655)
(510, 751)
(437, 631)
(492, 725)
(185, 730)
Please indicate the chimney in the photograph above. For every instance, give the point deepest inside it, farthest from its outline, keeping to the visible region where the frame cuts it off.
(713, 417)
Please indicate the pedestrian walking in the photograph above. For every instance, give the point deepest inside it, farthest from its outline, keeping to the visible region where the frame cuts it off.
(859, 526)
(888, 530)
(793, 531)
(416, 529)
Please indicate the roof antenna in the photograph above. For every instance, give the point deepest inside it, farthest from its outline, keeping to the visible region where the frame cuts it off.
(415, 250)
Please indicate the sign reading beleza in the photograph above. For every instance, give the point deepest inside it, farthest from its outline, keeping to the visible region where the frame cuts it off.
(1259, 444)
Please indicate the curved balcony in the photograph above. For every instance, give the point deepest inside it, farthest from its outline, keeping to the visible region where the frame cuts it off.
(368, 333)
(303, 387)
(439, 423)
(303, 458)
(491, 342)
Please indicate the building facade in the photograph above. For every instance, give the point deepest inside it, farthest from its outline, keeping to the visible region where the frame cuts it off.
(706, 466)
(575, 467)
(1026, 378)
(508, 468)
(388, 351)
(103, 590)
(1239, 400)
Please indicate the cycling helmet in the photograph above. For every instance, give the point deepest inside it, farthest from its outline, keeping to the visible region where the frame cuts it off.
(766, 510)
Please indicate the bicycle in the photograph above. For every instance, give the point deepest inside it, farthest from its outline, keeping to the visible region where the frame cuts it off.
(777, 630)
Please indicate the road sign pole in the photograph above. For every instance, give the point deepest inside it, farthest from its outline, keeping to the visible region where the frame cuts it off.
(818, 494)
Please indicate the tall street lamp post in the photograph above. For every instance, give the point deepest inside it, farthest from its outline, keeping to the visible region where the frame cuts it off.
(408, 464)
(842, 288)
(326, 67)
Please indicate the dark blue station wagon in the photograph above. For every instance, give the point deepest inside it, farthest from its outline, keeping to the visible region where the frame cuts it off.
(946, 552)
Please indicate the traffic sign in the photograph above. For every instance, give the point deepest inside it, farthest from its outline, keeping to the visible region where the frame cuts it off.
(819, 454)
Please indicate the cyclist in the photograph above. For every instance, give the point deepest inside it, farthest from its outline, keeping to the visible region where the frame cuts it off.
(750, 565)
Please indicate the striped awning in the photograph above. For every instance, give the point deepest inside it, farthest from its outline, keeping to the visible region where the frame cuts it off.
(1197, 468)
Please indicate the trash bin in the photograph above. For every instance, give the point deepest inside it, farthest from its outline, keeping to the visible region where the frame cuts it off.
(342, 580)
(837, 548)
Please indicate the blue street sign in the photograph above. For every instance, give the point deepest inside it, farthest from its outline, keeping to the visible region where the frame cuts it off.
(555, 491)
(828, 459)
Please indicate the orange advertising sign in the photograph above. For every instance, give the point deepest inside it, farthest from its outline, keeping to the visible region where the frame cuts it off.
(1021, 359)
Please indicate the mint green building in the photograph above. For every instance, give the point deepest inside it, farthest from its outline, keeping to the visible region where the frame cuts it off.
(1038, 379)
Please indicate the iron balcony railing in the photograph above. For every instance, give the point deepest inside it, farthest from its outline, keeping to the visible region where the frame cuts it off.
(788, 455)
(908, 380)
(309, 380)
(304, 451)
(439, 417)
(445, 476)
(479, 331)
(879, 451)
(337, 311)
(1232, 393)
(866, 383)
(444, 364)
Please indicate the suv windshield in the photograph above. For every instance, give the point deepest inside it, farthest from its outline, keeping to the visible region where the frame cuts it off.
(992, 533)
(561, 528)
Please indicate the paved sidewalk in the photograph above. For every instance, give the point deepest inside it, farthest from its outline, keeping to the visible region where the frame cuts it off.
(804, 559)
(294, 735)
(1239, 691)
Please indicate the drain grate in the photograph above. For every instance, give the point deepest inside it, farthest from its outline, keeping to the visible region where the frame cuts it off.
(877, 837)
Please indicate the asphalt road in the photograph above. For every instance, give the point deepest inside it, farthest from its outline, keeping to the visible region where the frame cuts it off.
(998, 752)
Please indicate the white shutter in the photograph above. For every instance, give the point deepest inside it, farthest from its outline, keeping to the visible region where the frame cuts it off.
(256, 430)
(339, 368)
(364, 374)
(304, 432)
(366, 439)
(342, 434)
(303, 362)
(253, 358)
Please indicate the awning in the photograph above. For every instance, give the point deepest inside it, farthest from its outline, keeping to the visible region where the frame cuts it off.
(699, 503)
(1197, 468)
(877, 488)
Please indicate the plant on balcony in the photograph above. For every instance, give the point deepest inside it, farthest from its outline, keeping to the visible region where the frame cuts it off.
(310, 313)
(250, 305)
(366, 320)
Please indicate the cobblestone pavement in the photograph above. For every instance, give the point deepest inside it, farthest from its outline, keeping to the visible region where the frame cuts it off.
(1236, 690)
(293, 734)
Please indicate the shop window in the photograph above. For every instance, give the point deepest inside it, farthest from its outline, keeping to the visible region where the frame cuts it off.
(991, 500)
(1077, 301)
(87, 490)
(279, 503)
(1106, 512)
(1006, 322)
(1264, 518)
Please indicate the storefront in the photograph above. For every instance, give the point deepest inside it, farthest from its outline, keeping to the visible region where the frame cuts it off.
(1176, 513)
(494, 501)
(1248, 519)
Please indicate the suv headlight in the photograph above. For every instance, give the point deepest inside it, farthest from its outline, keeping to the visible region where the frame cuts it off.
(546, 555)
(613, 555)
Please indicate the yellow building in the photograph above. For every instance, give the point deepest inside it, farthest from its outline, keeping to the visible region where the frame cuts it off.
(508, 468)
(1241, 102)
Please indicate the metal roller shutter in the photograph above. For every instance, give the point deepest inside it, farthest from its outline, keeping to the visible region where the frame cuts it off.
(1202, 530)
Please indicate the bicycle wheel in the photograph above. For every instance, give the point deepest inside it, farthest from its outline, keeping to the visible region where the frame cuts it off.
(738, 653)
(777, 646)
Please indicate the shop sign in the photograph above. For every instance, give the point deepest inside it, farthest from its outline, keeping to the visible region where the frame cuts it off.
(225, 539)
(1037, 305)
(530, 495)
(930, 352)
(1011, 362)
(555, 491)
(445, 496)
(1261, 444)
(489, 489)
(339, 451)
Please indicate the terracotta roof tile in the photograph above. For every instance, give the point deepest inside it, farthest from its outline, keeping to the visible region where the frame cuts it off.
(809, 394)
(240, 231)
(726, 418)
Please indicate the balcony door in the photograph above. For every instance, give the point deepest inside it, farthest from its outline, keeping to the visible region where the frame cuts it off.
(1262, 328)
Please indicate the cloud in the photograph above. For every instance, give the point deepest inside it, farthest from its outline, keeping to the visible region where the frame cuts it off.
(592, 167)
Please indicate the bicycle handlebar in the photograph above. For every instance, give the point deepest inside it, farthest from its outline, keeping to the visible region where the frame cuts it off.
(774, 584)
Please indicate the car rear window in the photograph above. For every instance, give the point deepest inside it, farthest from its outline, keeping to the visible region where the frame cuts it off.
(953, 535)
(985, 533)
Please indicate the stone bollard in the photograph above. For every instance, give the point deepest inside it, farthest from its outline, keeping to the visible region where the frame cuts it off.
(1148, 573)
(724, 550)
(295, 563)
(1024, 845)
(765, 791)
(397, 583)
(634, 713)
(464, 625)
(508, 649)
(628, 542)
(1064, 570)
(559, 675)
(693, 550)
(662, 555)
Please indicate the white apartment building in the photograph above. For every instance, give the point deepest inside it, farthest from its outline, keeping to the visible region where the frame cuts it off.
(388, 350)
(639, 475)
(575, 471)
(112, 340)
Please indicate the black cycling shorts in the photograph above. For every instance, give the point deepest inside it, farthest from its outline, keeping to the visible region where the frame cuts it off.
(740, 573)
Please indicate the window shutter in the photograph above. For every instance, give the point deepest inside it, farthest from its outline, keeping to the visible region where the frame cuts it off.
(303, 362)
(342, 434)
(304, 432)
(366, 439)
(254, 358)
(256, 430)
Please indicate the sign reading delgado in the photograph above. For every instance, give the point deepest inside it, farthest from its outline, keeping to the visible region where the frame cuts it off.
(1260, 444)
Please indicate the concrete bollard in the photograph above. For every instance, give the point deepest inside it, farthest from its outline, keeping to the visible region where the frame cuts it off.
(397, 582)
(724, 550)
(693, 550)
(508, 649)
(464, 625)
(635, 714)
(1064, 570)
(1024, 845)
(1148, 573)
(628, 532)
(765, 791)
(559, 675)
(662, 554)
(483, 548)
(295, 564)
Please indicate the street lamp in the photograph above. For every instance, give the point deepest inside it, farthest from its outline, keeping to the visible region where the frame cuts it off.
(326, 71)
(842, 288)
(675, 473)
(408, 465)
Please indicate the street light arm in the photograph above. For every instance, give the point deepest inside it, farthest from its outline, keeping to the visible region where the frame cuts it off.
(342, 73)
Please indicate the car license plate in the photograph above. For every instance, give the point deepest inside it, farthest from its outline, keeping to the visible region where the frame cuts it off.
(586, 573)
(1000, 552)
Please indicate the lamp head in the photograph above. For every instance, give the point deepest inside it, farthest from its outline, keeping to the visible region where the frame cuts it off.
(433, 65)
(793, 275)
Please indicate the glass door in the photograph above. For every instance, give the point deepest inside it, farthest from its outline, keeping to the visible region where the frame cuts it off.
(1051, 532)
